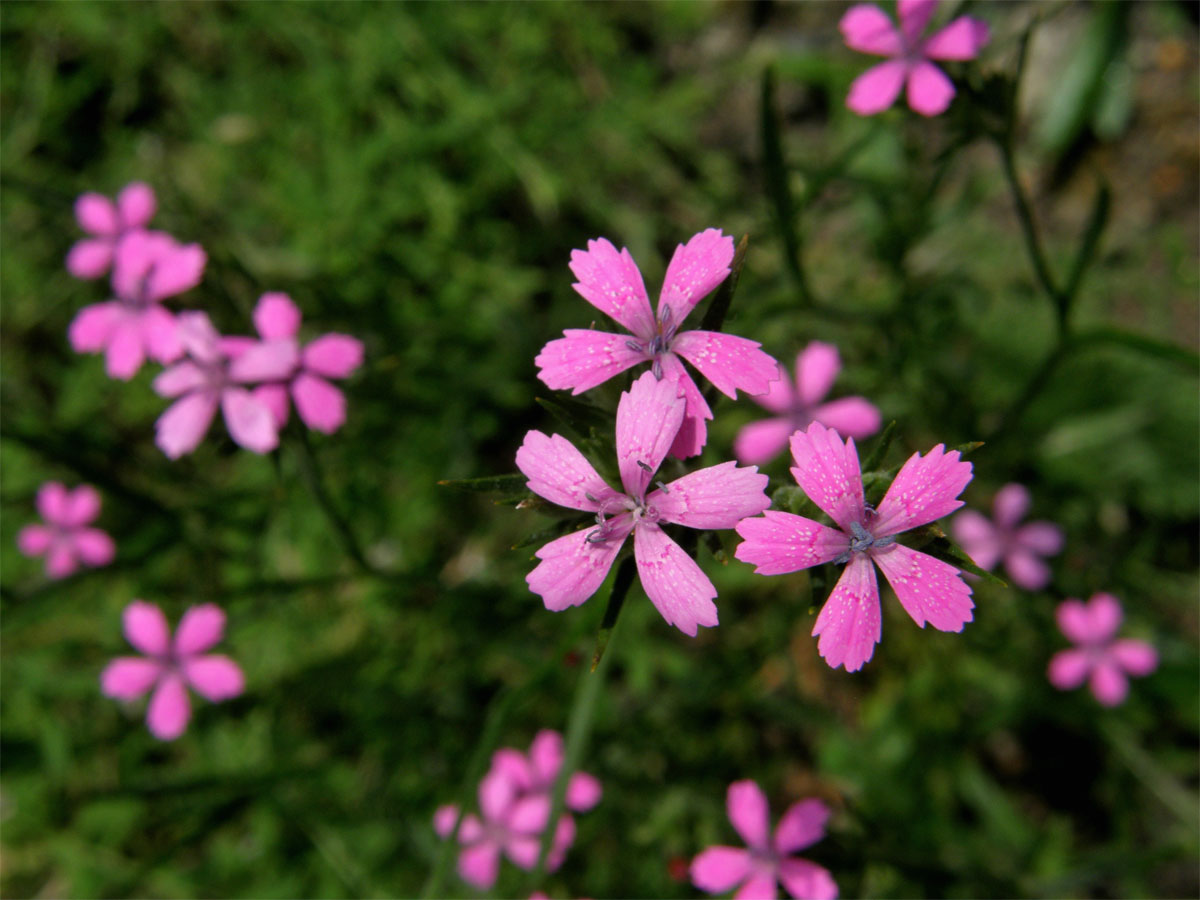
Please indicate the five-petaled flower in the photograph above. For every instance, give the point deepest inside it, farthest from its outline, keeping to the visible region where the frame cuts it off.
(766, 859)
(149, 266)
(65, 540)
(171, 664)
(925, 489)
(868, 29)
(1020, 547)
(1099, 659)
(210, 378)
(573, 567)
(796, 405)
(108, 224)
(610, 281)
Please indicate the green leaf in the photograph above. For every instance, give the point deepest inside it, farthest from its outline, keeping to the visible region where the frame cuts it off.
(880, 450)
(616, 600)
(778, 190)
(714, 316)
(1091, 238)
(791, 498)
(490, 484)
(576, 415)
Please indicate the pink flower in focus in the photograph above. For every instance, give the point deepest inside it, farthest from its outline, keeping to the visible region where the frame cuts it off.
(537, 772)
(1020, 548)
(611, 282)
(208, 379)
(573, 567)
(65, 540)
(766, 859)
(108, 223)
(924, 489)
(1099, 659)
(305, 370)
(169, 666)
(867, 29)
(149, 266)
(798, 404)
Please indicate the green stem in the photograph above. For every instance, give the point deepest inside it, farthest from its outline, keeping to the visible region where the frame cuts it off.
(1173, 795)
(1033, 244)
(310, 470)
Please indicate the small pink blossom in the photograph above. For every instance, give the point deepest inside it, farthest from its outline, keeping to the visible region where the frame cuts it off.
(149, 266)
(767, 860)
(797, 404)
(209, 379)
(611, 282)
(572, 568)
(65, 540)
(171, 665)
(537, 771)
(1019, 547)
(867, 29)
(108, 224)
(305, 370)
(1100, 660)
(924, 490)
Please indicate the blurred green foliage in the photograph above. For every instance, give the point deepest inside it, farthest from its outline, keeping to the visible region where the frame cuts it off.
(417, 175)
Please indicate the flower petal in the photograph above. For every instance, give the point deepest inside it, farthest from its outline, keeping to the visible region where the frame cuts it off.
(497, 792)
(929, 590)
(559, 472)
(648, 418)
(978, 537)
(877, 88)
(719, 869)
(516, 767)
(1136, 657)
(275, 398)
(276, 317)
(583, 791)
(925, 489)
(692, 432)
(802, 878)
(929, 90)
(178, 270)
(274, 360)
(318, 403)
(34, 540)
(855, 417)
(333, 355)
(1010, 506)
(716, 497)
(696, 268)
(523, 849)
(730, 362)
(82, 506)
(134, 257)
(747, 808)
(128, 677)
(801, 826)
(1042, 538)
(96, 214)
(93, 326)
(90, 258)
(780, 542)
(146, 628)
(564, 836)
(1105, 615)
(529, 814)
(94, 547)
(849, 622)
(759, 887)
(673, 581)
(1068, 669)
(583, 358)
(54, 502)
(125, 352)
(479, 865)
(200, 339)
(181, 378)
(1109, 684)
(760, 442)
(445, 818)
(816, 368)
(250, 424)
(573, 568)
(170, 709)
(546, 756)
(1026, 570)
(135, 204)
(961, 40)
(215, 677)
(827, 470)
(914, 16)
(611, 282)
(866, 28)
(200, 629)
(181, 428)
(61, 560)
(160, 333)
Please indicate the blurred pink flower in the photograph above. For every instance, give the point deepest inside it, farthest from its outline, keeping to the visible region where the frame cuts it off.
(1020, 548)
(65, 540)
(867, 29)
(169, 666)
(573, 567)
(1099, 659)
(108, 223)
(611, 282)
(149, 267)
(537, 771)
(304, 370)
(208, 379)
(797, 404)
(766, 860)
(924, 489)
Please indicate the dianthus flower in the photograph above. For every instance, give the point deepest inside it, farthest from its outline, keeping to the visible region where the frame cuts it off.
(108, 223)
(766, 860)
(305, 370)
(149, 266)
(798, 404)
(611, 282)
(65, 540)
(170, 665)
(208, 379)
(537, 771)
(1099, 659)
(868, 29)
(1020, 547)
(573, 567)
(925, 489)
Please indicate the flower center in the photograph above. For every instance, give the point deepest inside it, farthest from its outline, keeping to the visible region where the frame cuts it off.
(658, 345)
(861, 541)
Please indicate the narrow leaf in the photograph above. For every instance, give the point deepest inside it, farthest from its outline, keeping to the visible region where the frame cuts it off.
(508, 484)
(714, 316)
(778, 190)
(882, 443)
(1091, 239)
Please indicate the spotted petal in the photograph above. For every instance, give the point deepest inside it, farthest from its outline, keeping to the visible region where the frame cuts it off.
(573, 568)
(696, 268)
(849, 623)
(929, 590)
(676, 586)
(611, 282)
(828, 471)
(559, 472)
(693, 433)
(583, 358)
(779, 542)
(730, 362)
(648, 418)
(925, 489)
(716, 497)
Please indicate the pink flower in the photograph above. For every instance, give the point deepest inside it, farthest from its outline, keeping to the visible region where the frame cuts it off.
(170, 665)
(537, 772)
(1098, 658)
(797, 406)
(925, 489)
(108, 223)
(573, 567)
(149, 267)
(868, 29)
(988, 543)
(210, 378)
(304, 370)
(65, 540)
(611, 282)
(767, 860)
